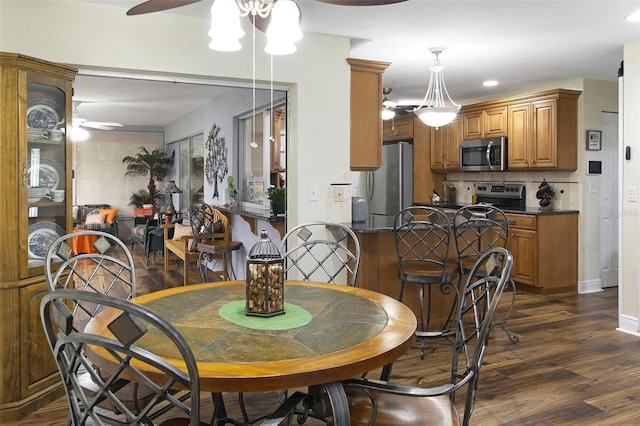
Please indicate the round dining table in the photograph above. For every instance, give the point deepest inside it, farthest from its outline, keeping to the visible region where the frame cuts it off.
(328, 333)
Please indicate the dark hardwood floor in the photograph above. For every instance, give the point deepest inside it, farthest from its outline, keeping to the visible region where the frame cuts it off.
(570, 367)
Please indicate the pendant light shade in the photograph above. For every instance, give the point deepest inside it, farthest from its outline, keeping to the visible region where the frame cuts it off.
(437, 108)
(226, 30)
(284, 28)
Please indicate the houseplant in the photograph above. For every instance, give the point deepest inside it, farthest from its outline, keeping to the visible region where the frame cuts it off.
(155, 164)
(278, 197)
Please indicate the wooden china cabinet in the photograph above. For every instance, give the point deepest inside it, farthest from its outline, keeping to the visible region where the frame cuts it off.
(36, 161)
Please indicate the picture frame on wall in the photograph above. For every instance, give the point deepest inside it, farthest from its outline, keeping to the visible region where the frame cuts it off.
(594, 140)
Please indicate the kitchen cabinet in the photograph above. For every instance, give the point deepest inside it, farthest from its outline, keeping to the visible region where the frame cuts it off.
(424, 180)
(445, 146)
(366, 119)
(398, 129)
(36, 158)
(484, 123)
(545, 251)
(543, 131)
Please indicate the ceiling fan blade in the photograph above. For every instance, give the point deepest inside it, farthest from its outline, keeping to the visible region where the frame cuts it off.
(100, 125)
(150, 6)
(361, 2)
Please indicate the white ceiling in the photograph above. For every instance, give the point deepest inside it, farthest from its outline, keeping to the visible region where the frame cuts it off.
(519, 43)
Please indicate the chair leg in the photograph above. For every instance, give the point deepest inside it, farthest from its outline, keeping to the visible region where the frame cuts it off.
(503, 323)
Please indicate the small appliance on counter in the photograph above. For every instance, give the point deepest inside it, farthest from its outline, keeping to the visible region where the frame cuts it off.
(448, 193)
(358, 210)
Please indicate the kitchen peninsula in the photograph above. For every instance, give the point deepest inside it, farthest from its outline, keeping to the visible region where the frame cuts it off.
(544, 244)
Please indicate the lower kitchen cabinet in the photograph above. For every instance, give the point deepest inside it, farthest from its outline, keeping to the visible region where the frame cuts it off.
(545, 251)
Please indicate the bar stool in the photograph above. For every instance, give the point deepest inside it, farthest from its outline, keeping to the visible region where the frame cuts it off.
(478, 228)
(422, 238)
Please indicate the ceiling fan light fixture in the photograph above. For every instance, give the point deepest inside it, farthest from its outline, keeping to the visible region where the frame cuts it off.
(226, 30)
(78, 134)
(284, 28)
(387, 113)
(436, 110)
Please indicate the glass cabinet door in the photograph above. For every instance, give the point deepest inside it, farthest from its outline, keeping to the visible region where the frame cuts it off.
(45, 163)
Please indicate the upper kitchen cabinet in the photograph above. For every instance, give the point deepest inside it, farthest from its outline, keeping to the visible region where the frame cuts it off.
(398, 129)
(543, 131)
(35, 184)
(445, 146)
(366, 120)
(486, 122)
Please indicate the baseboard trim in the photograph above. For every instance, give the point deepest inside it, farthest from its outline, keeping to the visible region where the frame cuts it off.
(628, 324)
(590, 286)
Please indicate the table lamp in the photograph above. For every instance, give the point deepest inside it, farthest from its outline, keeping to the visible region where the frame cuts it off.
(170, 190)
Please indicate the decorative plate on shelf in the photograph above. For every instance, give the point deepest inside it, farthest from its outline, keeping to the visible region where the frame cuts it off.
(43, 114)
(50, 174)
(41, 236)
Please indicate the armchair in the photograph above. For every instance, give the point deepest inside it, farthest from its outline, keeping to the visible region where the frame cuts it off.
(144, 233)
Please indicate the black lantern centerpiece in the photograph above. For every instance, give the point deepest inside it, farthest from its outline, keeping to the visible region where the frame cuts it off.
(265, 279)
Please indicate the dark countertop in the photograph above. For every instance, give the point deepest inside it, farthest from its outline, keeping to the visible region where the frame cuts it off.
(536, 211)
(248, 213)
(385, 223)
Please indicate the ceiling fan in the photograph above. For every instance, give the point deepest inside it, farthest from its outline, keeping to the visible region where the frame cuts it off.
(80, 120)
(391, 108)
(150, 6)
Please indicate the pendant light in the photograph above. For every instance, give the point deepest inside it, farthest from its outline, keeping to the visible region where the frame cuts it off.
(434, 111)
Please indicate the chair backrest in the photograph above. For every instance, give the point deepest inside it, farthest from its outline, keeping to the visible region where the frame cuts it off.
(207, 224)
(479, 300)
(478, 228)
(422, 237)
(321, 251)
(76, 350)
(110, 271)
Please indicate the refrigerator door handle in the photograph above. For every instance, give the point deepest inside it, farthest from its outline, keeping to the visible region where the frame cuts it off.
(370, 186)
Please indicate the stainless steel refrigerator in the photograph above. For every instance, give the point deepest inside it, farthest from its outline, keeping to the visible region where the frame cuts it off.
(390, 188)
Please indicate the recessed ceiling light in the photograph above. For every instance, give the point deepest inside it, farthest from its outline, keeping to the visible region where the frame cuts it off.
(634, 17)
(490, 83)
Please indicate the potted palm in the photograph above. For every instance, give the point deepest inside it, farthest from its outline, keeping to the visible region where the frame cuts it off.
(155, 164)
(277, 196)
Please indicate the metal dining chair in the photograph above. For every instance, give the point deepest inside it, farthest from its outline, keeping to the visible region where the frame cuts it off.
(385, 403)
(422, 238)
(77, 349)
(321, 251)
(478, 228)
(109, 269)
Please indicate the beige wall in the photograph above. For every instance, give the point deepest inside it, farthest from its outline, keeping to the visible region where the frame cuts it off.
(90, 35)
(630, 214)
(99, 170)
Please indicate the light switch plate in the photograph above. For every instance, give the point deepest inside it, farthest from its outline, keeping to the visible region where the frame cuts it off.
(313, 192)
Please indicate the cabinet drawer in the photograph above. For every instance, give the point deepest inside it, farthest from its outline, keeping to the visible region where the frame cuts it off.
(522, 221)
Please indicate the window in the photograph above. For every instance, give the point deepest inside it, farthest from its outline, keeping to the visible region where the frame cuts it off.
(262, 155)
(188, 170)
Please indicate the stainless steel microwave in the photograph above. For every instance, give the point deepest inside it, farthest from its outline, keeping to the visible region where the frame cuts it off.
(480, 155)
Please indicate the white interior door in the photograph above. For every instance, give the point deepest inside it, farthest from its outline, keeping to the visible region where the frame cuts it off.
(609, 201)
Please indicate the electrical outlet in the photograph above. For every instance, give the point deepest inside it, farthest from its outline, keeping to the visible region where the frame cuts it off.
(593, 187)
(338, 194)
(313, 192)
(633, 193)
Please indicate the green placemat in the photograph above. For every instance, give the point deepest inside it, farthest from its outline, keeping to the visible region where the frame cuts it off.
(294, 317)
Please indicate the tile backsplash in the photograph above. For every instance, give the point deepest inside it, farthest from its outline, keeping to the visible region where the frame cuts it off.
(565, 186)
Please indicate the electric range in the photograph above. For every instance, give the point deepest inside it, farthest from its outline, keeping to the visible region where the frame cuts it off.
(507, 196)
